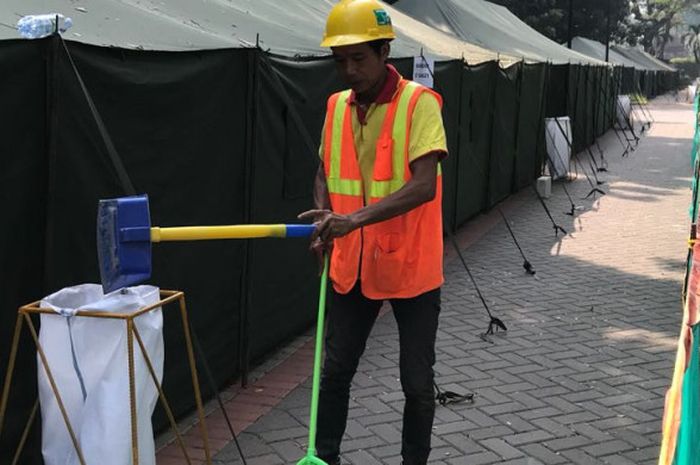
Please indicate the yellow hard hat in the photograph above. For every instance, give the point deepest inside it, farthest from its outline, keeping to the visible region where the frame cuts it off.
(356, 21)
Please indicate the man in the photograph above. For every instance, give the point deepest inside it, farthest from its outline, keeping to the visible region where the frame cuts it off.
(378, 195)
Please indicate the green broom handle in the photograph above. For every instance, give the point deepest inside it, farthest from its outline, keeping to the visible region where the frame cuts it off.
(318, 351)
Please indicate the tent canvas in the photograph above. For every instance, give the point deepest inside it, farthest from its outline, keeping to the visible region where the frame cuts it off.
(493, 27)
(644, 60)
(596, 50)
(292, 28)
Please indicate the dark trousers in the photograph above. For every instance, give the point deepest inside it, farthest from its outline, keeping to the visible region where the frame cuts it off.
(350, 320)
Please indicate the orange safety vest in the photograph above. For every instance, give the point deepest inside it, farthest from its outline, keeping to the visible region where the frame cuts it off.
(400, 257)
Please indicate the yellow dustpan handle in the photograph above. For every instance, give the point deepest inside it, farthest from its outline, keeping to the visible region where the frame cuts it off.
(203, 233)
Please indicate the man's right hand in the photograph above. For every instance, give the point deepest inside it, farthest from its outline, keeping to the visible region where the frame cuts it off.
(321, 249)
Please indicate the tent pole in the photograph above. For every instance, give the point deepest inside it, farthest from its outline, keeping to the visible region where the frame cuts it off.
(630, 126)
(578, 125)
(455, 198)
(650, 118)
(619, 107)
(518, 100)
(571, 22)
(594, 189)
(561, 160)
(518, 89)
(600, 150)
(607, 31)
(245, 297)
(612, 95)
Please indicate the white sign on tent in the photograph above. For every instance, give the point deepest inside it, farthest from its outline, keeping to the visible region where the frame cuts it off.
(423, 70)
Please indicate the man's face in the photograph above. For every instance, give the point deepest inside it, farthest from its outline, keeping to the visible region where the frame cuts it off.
(359, 66)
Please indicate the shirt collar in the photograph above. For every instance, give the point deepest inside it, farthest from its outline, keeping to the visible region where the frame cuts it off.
(388, 91)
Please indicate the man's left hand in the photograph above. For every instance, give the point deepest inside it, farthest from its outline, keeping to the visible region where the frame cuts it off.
(329, 225)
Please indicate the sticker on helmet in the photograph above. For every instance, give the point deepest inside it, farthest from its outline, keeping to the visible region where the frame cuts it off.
(383, 18)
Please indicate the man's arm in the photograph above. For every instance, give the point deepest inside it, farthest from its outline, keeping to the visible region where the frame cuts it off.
(418, 190)
(322, 200)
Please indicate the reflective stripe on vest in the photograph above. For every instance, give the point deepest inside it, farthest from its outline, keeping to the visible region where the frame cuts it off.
(336, 130)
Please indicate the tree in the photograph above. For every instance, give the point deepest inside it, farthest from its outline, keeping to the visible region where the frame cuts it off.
(691, 40)
(653, 21)
(550, 17)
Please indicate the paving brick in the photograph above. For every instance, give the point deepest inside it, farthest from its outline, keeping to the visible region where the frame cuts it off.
(502, 448)
(492, 432)
(540, 412)
(464, 444)
(522, 461)
(578, 457)
(528, 437)
(609, 447)
(543, 454)
(644, 454)
(361, 457)
(617, 460)
(570, 442)
(289, 450)
(480, 458)
(592, 433)
(387, 432)
(515, 422)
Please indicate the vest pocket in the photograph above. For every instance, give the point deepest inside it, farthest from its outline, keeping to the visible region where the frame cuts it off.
(389, 242)
(392, 269)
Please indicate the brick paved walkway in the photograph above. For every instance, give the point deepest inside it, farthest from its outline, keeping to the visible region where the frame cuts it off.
(580, 375)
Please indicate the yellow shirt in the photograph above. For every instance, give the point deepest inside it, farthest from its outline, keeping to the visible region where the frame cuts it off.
(427, 134)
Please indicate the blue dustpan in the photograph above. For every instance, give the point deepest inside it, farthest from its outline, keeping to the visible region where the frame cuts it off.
(125, 234)
(124, 241)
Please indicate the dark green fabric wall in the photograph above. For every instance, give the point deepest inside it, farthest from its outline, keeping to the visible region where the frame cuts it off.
(474, 136)
(503, 134)
(448, 82)
(23, 180)
(530, 147)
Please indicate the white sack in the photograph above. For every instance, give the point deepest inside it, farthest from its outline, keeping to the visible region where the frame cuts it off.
(93, 378)
(558, 151)
(624, 108)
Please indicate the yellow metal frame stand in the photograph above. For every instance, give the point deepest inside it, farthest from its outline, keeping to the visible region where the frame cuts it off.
(166, 297)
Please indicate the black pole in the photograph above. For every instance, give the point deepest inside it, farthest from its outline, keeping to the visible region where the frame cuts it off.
(495, 323)
(603, 163)
(245, 297)
(572, 211)
(571, 22)
(576, 124)
(526, 264)
(615, 92)
(607, 32)
(573, 157)
(622, 128)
